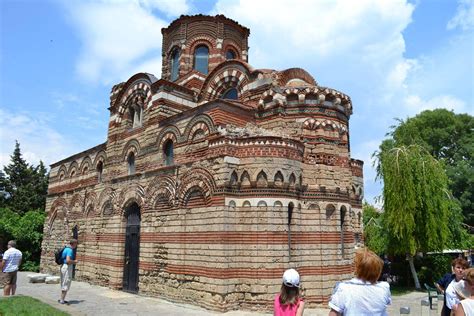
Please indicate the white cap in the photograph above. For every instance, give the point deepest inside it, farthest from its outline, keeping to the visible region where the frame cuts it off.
(291, 278)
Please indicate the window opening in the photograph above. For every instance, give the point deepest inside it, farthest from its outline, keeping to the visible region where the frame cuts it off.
(168, 153)
(175, 64)
(229, 54)
(100, 169)
(131, 163)
(231, 94)
(201, 59)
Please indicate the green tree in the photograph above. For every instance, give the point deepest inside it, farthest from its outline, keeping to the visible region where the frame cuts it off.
(448, 137)
(24, 186)
(27, 230)
(374, 236)
(416, 200)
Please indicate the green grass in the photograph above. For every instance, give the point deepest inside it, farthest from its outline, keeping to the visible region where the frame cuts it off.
(25, 305)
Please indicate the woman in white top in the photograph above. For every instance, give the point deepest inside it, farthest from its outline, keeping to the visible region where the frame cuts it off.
(466, 306)
(362, 295)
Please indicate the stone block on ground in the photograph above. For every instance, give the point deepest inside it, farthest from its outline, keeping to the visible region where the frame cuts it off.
(37, 277)
(52, 280)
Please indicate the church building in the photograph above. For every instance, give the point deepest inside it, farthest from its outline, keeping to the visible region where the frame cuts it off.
(213, 180)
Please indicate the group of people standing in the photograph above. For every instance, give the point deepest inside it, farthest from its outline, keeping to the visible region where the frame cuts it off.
(458, 289)
(362, 295)
(11, 261)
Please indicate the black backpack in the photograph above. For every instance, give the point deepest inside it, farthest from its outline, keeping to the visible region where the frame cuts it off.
(58, 255)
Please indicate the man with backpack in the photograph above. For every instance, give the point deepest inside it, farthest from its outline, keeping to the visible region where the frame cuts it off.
(68, 259)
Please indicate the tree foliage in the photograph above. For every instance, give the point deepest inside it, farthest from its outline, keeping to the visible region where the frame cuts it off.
(448, 137)
(416, 199)
(24, 186)
(27, 230)
(374, 235)
(23, 189)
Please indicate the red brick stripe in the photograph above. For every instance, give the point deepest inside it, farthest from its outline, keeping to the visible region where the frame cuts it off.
(274, 238)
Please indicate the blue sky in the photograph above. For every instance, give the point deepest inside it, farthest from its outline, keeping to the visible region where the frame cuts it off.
(395, 58)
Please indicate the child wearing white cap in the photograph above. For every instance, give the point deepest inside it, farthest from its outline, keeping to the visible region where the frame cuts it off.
(288, 302)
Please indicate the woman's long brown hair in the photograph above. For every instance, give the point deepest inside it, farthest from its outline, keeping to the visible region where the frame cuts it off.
(289, 295)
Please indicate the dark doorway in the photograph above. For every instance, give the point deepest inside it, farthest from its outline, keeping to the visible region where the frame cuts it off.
(132, 248)
(75, 235)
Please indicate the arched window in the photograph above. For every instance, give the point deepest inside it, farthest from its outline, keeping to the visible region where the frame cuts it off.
(168, 152)
(278, 179)
(201, 57)
(233, 178)
(229, 54)
(131, 163)
(231, 94)
(292, 180)
(174, 64)
(100, 169)
(135, 114)
(277, 204)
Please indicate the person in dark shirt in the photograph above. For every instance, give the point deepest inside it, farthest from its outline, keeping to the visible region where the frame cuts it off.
(457, 266)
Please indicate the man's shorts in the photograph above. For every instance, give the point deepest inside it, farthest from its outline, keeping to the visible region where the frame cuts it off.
(66, 277)
(9, 278)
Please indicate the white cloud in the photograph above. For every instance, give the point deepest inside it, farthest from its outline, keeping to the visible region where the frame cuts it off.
(416, 104)
(464, 17)
(38, 140)
(119, 36)
(172, 8)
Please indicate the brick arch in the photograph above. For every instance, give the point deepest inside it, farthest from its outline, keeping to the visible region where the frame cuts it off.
(62, 170)
(106, 195)
(131, 146)
(230, 44)
(79, 200)
(58, 211)
(258, 171)
(229, 74)
(89, 210)
(196, 177)
(169, 132)
(101, 156)
(161, 187)
(194, 42)
(195, 197)
(245, 175)
(90, 201)
(137, 85)
(86, 162)
(278, 178)
(202, 121)
(132, 193)
(270, 98)
(72, 167)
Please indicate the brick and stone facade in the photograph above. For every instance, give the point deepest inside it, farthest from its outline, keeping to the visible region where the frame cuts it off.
(226, 192)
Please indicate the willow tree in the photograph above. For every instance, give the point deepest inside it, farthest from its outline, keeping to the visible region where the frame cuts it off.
(415, 199)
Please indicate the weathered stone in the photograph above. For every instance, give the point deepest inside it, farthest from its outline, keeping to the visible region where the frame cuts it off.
(214, 197)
